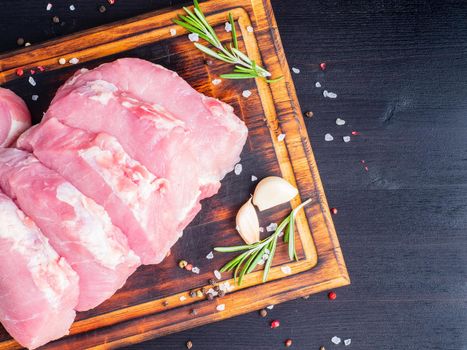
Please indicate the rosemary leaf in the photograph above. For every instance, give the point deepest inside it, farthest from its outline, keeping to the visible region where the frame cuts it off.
(291, 237)
(232, 263)
(275, 79)
(239, 265)
(234, 31)
(258, 257)
(267, 267)
(241, 55)
(208, 51)
(237, 76)
(245, 268)
(232, 249)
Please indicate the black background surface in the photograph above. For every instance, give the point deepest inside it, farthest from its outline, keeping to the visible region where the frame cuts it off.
(399, 69)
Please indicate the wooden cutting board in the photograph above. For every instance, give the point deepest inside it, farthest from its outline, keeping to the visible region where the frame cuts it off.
(156, 300)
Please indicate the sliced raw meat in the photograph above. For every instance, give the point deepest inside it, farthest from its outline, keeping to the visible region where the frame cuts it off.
(38, 288)
(78, 228)
(14, 117)
(177, 133)
(153, 138)
(97, 165)
(216, 132)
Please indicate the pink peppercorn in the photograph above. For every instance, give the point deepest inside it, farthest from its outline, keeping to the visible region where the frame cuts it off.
(288, 343)
(189, 267)
(19, 72)
(334, 211)
(275, 324)
(322, 66)
(332, 295)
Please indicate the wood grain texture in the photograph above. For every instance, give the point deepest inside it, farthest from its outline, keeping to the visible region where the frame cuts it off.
(399, 69)
(155, 301)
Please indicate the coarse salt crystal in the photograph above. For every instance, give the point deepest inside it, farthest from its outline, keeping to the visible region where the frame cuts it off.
(228, 27)
(182, 298)
(329, 94)
(280, 234)
(347, 342)
(295, 70)
(346, 138)
(32, 81)
(195, 270)
(267, 251)
(238, 169)
(228, 288)
(271, 227)
(286, 269)
(74, 60)
(217, 274)
(220, 307)
(281, 137)
(261, 262)
(216, 81)
(328, 137)
(340, 121)
(173, 31)
(336, 340)
(62, 61)
(49, 6)
(318, 84)
(210, 256)
(72, 7)
(34, 97)
(253, 178)
(193, 37)
(265, 257)
(270, 307)
(246, 93)
(249, 29)
(261, 229)
(27, 44)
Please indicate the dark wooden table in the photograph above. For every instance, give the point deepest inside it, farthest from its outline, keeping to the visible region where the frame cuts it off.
(399, 69)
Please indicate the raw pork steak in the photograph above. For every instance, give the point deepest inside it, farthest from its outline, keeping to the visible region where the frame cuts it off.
(97, 165)
(77, 227)
(38, 289)
(178, 134)
(14, 117)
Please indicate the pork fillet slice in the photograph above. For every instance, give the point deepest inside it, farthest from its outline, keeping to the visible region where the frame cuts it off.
(97, 165)
(152, 137)
(77, 227)
(38, 288)
(217, 135)
(179, 134)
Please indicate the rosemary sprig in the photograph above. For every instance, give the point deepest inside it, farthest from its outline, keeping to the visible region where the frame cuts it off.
(246, 262)
(244, 68)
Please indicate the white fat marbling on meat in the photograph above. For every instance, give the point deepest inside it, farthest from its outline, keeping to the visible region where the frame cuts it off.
(16, 129)
(103, 91)
(29, 241)
(96, 229)
(127, 178)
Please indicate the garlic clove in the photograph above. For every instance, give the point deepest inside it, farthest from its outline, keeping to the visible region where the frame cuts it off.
(272, 191)
(248, 223)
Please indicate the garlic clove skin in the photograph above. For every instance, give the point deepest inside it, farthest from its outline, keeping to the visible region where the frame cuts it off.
(272, 191)
(247, 223)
